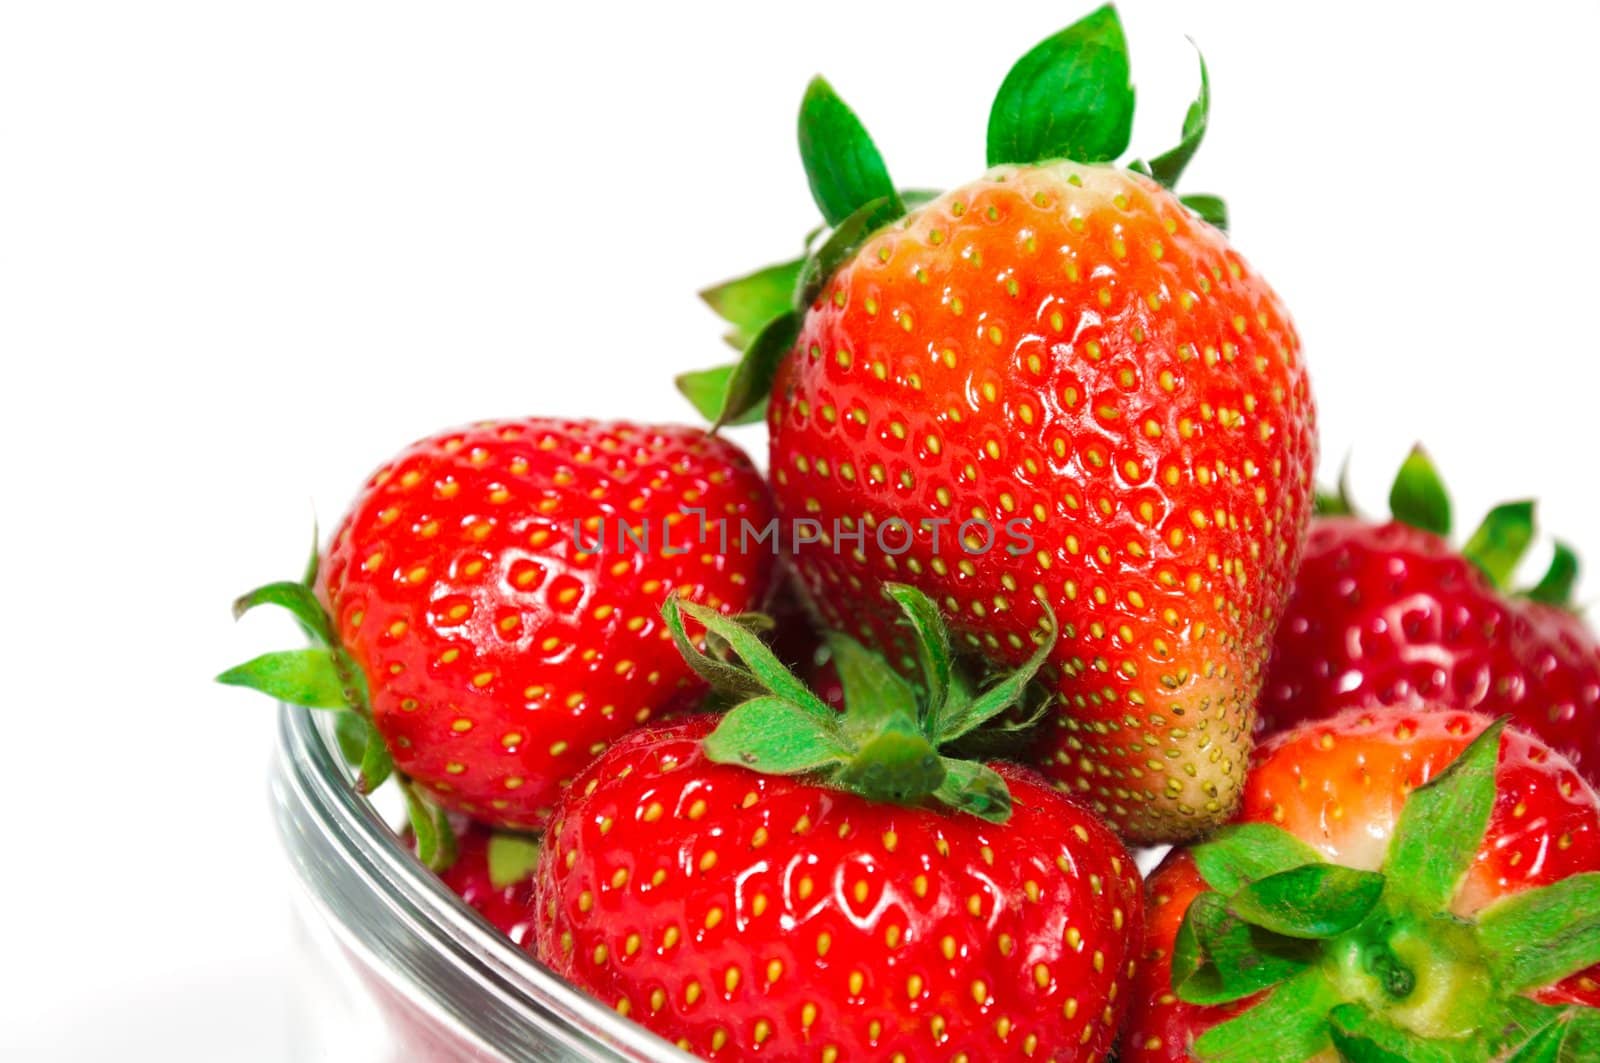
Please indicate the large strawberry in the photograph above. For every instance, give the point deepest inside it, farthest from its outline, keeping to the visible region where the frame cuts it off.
(1056, 384)
(1402, 886)
(788, 886)
(1392, 613)
(490, 603)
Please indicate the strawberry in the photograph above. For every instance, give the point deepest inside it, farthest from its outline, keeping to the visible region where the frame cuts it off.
(783, 886)
(490, 602)
(1057, 384)
(1392, 613)
(492, 873)
(1400, 885)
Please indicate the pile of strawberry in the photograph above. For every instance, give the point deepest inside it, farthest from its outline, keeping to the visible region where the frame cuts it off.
(841, 763)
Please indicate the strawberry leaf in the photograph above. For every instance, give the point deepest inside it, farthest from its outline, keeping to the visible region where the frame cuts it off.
(775, 737)
(841, 246)
(511, 858)
(1238, 855)
(749, 302)
(723, 676)
(299, 600)
(842, 163)
(1211, 209)
(1337, 503)
(1168, 166)
(959, 719)
(1418, 497)
(707, 392)
(1442, 825)
(874, 693)
(300, 677)
(435, 840)
(1224, 958)
(1311, 901)
(898, 765)
(376, 764)
(750, 383)
(1571, 1036)
(351, 731)
(1292, 1021)
(1538, 937)
(1555, 587)
(1500, 541)
(976, 789)
(933, 643)
(1068, 98)
(768, 672)
(1362, 1037)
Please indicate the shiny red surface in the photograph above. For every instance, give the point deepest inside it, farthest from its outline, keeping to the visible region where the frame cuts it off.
(724, 909)
(1093, 359)
(500, 656)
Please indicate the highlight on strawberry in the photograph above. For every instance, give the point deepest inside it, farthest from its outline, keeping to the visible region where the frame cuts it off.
(794, 882)
(1400, 885)
(1389, 612)
(1067, 350)
(476, 633)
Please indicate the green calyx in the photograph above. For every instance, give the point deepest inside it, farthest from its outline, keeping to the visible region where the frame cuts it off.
(887, 744)
(1069, 97)
(1375, 964)
(324, 676)
(1419, 498)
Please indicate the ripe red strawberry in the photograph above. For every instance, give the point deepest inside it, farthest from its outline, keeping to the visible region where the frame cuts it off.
(492, 873)
(1054, 384)
(496, 641)
(1480, 931)
(780, 889)
(1392, 613)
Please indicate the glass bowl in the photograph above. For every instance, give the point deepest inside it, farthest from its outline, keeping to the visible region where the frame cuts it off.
(389, 964)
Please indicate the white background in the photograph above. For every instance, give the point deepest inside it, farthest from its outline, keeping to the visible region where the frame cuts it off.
(248, 250)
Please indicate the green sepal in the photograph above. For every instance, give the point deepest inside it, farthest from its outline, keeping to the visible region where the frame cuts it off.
(308, 677)
(1222, 958)
(1068, 98)
(1139, 166)
(1442, 824)
(750, 383)
(723, 675)
(511, 858)
(958, 719)
(974, 788)
(1313, 901)
(351, 732)
(376, 764)
(430, 827)
(1555, 587)
(1500, 541)
(1572, 1035)
(769, 673)
(314, 561)
(1537, 937)
(1418, 497)
(749, 302)
(707, 392)
(841, 246)
(873, 690)
(775, 736)
(912, 198)
(1291, 1024)
(842, 163)
(1238, 855)
(898, 765)
(1169, 166)
(1362, 1037)
(933, 644)
(299, 600)
(1213, 210)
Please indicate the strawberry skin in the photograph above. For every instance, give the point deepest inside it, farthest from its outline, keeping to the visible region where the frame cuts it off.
(1391, 614)
(1066, 346)
(745, 915)
(508, 908)
(500, 657)
(1339, 785)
